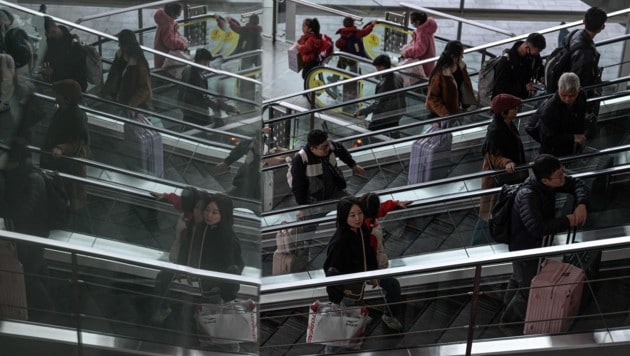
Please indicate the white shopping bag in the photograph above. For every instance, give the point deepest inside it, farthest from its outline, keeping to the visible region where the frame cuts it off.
(332, 324)
(228, 322)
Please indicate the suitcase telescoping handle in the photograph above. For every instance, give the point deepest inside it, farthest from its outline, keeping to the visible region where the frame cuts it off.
(571, 235)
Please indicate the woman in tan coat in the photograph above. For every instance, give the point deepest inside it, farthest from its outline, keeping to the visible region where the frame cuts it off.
(502, 149)
(450, 89)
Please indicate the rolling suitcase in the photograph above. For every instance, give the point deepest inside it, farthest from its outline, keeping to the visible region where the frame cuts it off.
(144, 147)
(12, 287)
(288, 262)
(554, 298)
(430, 157)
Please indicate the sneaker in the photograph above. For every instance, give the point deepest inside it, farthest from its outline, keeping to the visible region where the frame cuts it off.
(160, 315)
(392, 322)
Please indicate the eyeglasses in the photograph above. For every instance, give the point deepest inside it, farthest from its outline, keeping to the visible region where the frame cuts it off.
(562, 174)
(323, 147)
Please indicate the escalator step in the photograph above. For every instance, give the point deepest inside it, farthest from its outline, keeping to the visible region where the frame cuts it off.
(438, 315)
(487, 311)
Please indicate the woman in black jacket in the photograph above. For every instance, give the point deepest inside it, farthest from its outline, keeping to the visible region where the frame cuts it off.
(349, 251)
(212, 245)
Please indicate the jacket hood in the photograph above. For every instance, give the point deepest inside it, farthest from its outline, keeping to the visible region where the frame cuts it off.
(347, 31)
(162, 19)
(429, 27)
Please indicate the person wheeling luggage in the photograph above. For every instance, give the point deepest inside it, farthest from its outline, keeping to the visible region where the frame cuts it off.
(450, 89)
(374, 209)
(349, 251)
(386, 110)
(502, 149)
(533, 218)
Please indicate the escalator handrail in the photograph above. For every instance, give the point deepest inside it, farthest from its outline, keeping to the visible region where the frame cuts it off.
(327, 9)
(88, 109)
(448, 197)
(428, 121)
(267, 104)
(142, 193)
(135, 261)
(409, 65)
(458, 19)
(124, 9)
(430, 266)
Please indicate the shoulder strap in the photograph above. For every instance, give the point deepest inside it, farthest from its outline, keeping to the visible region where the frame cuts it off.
(304, 156)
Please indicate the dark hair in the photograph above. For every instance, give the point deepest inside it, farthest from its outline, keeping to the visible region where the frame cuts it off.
(129, 43)
(19, 153)
(348, 21)
(190, 197)
(453, 48)
(537, 40)
(418, 16)
(48, 23)
(173, 9)
(594, 19)
(226, 208)
(202, 54)
(316, 137)
(313, 24)
(343, 210)
(544, 166)
(254, 19)
(8, 14)
(382, 60)
(371, 205)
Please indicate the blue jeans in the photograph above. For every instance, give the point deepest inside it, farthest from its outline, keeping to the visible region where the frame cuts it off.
(481, 233)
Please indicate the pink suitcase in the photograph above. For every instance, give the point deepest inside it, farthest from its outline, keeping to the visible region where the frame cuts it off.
(286, 262)
(554, 298)
(12, 286)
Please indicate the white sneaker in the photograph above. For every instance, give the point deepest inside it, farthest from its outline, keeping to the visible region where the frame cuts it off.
(392, 322)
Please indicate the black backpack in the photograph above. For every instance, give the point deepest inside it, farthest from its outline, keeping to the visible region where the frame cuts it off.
(58, 202)
(500, 220)
(558, 62)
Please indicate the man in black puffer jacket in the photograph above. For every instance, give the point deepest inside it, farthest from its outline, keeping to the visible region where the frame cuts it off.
(533, 217)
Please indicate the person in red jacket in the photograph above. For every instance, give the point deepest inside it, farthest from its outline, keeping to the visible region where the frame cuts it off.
(351, 41)
(373, 210)
(309, 45)
(167, 36)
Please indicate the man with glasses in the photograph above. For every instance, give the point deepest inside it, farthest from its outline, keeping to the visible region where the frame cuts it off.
(533, 218)
(560, 120)
(315, 174)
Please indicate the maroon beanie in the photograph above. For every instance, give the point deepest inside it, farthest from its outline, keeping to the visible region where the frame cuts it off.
(504, 102)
